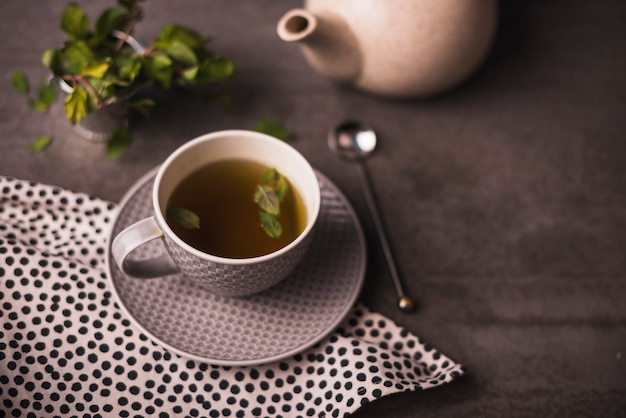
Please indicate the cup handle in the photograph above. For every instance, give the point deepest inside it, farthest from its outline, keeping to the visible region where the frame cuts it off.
(131, 238)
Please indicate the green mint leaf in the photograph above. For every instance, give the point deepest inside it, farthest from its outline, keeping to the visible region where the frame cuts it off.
(76, 104)
(47, 95)
(273, 128)
(110, 88)
(213, 70)
(48, 57)
(190, 73)
(37, 106)
(180, 52)
(96, 69)
(51, 58)
(183, 217)
(105, 87)
(268, 195)
(20, 82)
(270, 224)
(266, 198)
(187, 36)
(40, 144)
(159, 68)
(128, 68)
(121, 140)
(75, 55)
(75, 22)
(269, 176)
(282, 185)
(110, 20)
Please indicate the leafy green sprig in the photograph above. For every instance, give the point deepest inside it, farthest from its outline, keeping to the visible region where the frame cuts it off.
(268, 195)
(101, 68)
(273, 186)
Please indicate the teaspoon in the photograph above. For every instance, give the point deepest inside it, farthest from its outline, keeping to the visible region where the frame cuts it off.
(356, 142)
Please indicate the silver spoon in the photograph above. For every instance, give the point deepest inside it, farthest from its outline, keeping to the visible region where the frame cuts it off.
(356, 142)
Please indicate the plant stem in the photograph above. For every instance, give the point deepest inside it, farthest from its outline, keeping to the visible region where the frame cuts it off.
(100, 102)
(86, 85)
(135, 16)
(127, 30)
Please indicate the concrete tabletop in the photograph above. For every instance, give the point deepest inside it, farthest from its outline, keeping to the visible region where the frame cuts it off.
(504, 199)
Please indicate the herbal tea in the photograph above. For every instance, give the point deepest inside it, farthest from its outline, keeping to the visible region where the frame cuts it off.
(222, 196)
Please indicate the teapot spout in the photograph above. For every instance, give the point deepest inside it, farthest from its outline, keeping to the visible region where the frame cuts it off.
(327, 42)
(296, 25)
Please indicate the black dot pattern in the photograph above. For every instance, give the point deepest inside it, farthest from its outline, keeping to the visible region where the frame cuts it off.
(67, 349)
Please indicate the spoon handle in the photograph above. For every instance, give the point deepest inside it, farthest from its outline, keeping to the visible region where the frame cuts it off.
(404, 302)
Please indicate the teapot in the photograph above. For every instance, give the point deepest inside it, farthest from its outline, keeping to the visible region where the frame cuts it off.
(394, 48)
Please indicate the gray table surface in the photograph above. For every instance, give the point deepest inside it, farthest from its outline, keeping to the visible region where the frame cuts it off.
(504, 199)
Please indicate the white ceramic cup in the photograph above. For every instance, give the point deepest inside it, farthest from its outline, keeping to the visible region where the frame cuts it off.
(231, 277)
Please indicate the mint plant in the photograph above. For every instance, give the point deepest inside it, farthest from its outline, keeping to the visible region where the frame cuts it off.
(101, 68)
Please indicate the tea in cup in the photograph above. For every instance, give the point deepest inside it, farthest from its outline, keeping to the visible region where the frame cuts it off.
(236, 210)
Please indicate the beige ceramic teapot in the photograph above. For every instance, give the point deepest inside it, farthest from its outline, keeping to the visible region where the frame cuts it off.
(396, 48)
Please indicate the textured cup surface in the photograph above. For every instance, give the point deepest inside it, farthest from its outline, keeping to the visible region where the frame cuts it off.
(228, 276)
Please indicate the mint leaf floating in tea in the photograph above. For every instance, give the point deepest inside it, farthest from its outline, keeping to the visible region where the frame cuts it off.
(269, 176)
(184, 217)
(270, 224)
(282, 185)
(268, 195)
(267, 199)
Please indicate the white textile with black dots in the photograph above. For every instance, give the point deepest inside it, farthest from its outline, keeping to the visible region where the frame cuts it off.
(66, 348)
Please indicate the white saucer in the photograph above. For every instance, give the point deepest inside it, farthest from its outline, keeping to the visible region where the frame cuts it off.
(280, 322)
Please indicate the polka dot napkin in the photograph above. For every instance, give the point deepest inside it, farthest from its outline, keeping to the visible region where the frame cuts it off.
(67, 349)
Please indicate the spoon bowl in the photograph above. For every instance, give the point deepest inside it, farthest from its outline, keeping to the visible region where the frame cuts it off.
(352, 140)
(355, 141)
